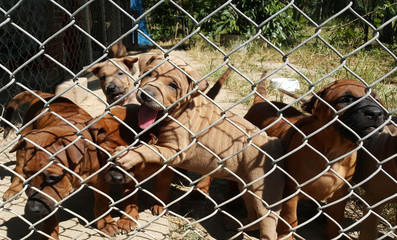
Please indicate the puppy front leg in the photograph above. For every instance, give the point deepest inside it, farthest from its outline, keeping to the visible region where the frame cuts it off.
(336, 212)
(368, 229)
(125, 223)
(51, 227)
(131, 157)
(288, 213)
(106, 224)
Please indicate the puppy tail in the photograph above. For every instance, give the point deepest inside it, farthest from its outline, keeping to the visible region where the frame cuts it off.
(214, 91)
(293, 95)
(17, 101)
(260, 90)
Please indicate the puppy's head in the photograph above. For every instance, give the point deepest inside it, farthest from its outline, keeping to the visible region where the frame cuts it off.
(164, 84)
(115, 82)
(49, 182)
(362, 115)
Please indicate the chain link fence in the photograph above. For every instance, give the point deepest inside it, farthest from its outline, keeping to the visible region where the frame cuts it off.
(50, 45)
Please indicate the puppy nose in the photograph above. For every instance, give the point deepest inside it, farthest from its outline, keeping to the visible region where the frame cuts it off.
(35, 207)
(116, 176)
(110, 88)
(374, 114)
(145, 95)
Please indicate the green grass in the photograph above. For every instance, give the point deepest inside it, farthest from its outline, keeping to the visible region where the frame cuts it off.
(314, 60)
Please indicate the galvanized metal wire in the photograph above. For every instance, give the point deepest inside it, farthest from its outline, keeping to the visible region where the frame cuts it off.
(21, 75)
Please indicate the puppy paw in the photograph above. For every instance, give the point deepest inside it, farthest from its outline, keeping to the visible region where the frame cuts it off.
(126, 159)
(157, 209)
(119, 149)
(126, 225)
(231, 224)
(108, 226)
(11, 192)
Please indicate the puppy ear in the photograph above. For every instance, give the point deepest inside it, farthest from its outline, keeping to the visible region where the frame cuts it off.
(192, 72)
(76, 152)
(98, 130)
(144, 60)
(95, 68)
(376, 96)
(309, 105)
(20, 145)
(203, 85)
(129, 61)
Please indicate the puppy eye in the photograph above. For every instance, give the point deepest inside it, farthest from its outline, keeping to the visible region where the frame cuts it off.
(120, 74)
(103, 78)
(54, 178)
(173, 86)
(346, 99)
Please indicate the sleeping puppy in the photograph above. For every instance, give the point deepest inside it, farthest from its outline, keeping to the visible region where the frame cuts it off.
(49, 180)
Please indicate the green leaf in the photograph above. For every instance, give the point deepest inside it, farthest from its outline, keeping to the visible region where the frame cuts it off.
(351, 32)
(377, 20)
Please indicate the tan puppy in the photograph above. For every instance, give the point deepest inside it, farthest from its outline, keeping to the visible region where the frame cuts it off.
(183, 139)
(379, 186)
(316, 176)
(116, 84)
(51, 181)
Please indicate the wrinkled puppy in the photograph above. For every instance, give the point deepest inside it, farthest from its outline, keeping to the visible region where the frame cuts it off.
(51, 180)
(321, 175)
(116, 84)
(194, 136)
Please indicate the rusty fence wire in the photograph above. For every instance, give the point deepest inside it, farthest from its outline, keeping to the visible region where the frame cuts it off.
(49, 46)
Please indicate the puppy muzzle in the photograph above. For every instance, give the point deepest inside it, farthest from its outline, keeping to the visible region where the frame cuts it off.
(114, 92)
(146, 97)
(363, 119)
(39, 204)
(115, 176)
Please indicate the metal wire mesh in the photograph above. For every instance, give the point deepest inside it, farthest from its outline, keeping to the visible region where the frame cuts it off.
(45, 43)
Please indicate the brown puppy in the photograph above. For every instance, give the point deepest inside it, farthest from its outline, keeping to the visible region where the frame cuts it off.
(110, 133)
(116, 84)
(194, 136)
(376, 188)
(50, 181)
(379, 186)
(315, 175)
